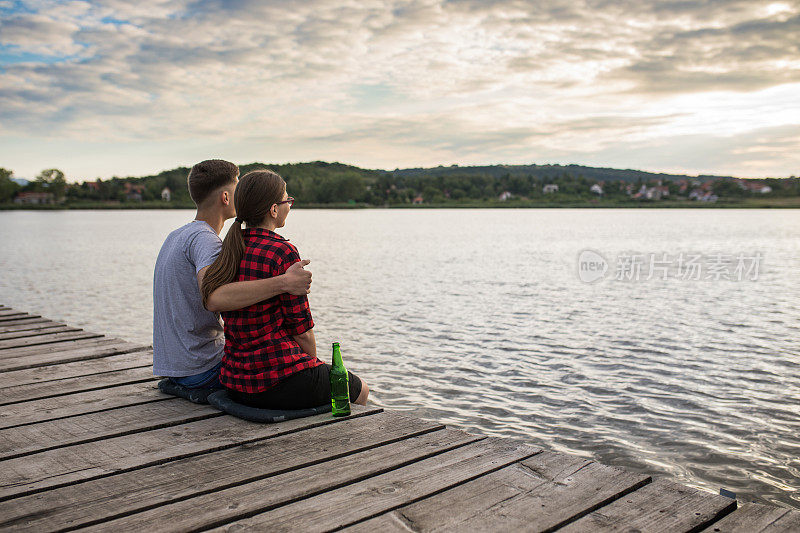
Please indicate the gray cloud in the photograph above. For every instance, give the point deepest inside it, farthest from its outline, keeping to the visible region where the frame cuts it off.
(461, 77)
(749, 154)
(39, 34)
(745, 56)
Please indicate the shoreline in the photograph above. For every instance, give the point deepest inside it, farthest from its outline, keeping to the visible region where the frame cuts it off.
(773, 203)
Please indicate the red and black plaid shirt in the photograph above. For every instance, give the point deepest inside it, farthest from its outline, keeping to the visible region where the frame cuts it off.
(259, 348)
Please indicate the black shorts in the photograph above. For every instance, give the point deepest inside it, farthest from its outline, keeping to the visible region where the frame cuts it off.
(308, 388)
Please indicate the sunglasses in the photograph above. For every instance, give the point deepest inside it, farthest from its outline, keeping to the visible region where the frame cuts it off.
(289, 201)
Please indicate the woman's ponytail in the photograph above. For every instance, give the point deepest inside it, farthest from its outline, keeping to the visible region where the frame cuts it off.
(225, 268)
(255, 194)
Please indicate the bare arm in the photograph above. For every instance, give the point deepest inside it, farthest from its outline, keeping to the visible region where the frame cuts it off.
(307, 342)
(239, 294)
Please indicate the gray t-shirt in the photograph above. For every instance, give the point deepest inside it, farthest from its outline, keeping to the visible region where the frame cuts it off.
(187, 339)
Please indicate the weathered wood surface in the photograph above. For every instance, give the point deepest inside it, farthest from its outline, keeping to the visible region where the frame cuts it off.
(11, 316)
(32, 391)
(254, 477)
(56, 468)
(63, 345)
(71, 370)
(538, 494)
(390, 490)
(78, 403)
(88, 441)
(659, 506)
(30, 324)
(6, 310)
(47, 338)
(39, 332)
(757, 518)
(32, 438)
(66, 352)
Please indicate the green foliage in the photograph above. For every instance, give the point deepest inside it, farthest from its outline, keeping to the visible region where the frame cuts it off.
(8, 188)
(324, 183)
(320, 183)
(728, 188)
(51, 180)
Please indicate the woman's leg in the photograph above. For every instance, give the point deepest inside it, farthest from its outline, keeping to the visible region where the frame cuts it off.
(308, 388)
(358, 389)
(362, 397)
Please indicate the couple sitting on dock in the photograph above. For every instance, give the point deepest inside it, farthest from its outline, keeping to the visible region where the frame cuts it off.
(265, 354)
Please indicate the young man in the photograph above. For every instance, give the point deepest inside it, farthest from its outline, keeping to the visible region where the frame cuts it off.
(188, 339)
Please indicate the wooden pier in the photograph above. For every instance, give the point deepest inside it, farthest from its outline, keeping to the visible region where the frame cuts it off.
(88, 442)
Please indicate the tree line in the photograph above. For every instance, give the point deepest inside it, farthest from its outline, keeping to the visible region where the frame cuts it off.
(322, 183)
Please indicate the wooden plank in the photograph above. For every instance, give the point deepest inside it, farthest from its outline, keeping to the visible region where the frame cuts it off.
(34, 411)
(27, 323)
(33, 438)
(48, 330)
(10, 317)
(660, 506)
(79, 368)
(27, 319)
(757, 518)
(10, 312)
(48, 389)
(539, 494)
(385, 492)
(26, 351)
(64, 466)
(85, 350)
(340, 450)
(47, 339)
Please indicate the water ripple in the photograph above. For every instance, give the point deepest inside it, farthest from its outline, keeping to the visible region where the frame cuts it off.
(476, 319)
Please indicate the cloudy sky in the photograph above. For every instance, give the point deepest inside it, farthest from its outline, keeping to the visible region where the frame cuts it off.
(128, 88)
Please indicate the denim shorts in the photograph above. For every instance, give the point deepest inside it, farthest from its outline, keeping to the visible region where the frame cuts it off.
(205, 380)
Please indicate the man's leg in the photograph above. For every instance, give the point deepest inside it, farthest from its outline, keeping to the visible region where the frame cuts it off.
(205, 380)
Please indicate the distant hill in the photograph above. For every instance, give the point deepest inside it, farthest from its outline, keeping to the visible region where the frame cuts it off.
(320, 183)
(547, 171)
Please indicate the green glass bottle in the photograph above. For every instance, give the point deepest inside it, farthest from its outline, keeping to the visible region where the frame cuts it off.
(340, 389)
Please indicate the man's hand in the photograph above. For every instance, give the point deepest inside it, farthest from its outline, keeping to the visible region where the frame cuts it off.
(297, 280)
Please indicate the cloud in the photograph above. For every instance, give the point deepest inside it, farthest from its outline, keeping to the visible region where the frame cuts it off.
(39, 34)
(749, 55)
(749, 154)
(451, 79)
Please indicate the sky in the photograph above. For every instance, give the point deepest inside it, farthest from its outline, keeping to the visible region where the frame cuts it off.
(124, 88)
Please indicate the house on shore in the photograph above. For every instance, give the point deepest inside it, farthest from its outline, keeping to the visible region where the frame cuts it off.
(550, 188)
(166, 194)
(35, 198)
(133, 191)
(755, 186)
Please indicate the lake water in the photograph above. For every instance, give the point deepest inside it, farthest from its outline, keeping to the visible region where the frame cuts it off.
(480, 319)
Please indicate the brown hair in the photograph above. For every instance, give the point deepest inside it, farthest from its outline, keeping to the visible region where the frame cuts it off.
(255, 195)
(208, 176)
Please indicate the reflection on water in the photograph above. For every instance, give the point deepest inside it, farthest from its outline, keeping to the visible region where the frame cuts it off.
(477, 318)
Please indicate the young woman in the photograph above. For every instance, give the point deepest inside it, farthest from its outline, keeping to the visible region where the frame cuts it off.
(270, 356)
